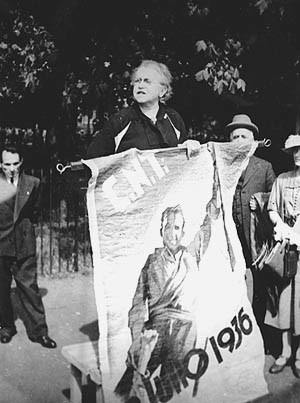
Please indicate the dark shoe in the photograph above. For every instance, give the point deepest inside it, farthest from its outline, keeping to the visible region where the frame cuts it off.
(45, 341)
(6, 334)
(296, 371)
(276, 368)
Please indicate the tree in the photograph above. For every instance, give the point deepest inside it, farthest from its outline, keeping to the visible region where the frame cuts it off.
(253, 52)
(27, 55)
(246, 53)
(225, 56)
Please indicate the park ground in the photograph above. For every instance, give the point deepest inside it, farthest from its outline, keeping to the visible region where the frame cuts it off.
(32, 374)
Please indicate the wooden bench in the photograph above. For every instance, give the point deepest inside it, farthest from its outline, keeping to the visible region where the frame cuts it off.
(84, 366)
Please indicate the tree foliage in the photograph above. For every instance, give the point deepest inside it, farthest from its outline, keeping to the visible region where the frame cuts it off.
(220, 71)
(27, 55)
(225, 56)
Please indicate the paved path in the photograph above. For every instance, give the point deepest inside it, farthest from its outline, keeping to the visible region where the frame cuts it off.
(32, 374)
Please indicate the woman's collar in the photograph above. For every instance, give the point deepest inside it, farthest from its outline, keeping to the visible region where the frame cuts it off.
(160, 114)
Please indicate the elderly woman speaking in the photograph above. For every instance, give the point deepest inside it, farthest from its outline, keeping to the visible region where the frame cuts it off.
(148, 123)
(284, 212)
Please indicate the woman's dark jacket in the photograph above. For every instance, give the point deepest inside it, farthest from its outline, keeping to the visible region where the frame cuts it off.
(130, 128)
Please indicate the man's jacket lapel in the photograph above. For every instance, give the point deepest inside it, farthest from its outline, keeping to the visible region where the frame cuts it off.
(250, 170)
(25, 186)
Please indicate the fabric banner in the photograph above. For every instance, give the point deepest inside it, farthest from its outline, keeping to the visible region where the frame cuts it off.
(175, 322)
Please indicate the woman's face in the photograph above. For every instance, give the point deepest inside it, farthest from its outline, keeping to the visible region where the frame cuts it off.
(147, 86)
(296, 155)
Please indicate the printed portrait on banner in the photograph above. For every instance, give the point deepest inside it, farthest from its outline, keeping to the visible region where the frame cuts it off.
(175, 323)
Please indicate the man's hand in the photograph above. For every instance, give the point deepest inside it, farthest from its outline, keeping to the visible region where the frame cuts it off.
(141, 348)
(148, 341)
(253, 203)
(192, 146)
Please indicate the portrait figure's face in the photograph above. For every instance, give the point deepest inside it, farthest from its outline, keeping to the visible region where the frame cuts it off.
(11, 164)
(172, 231)
(148, 86)
(241, 135)
(296, 156)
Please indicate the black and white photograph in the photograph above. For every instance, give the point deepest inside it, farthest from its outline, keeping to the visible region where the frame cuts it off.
(149, 201)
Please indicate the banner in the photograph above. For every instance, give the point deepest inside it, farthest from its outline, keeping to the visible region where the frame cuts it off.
(175, 322)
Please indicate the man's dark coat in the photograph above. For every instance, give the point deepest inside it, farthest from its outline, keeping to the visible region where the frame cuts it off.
(18, 244)
(259, 177)
(17, 236)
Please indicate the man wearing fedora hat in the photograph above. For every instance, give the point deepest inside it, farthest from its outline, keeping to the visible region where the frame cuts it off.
(257, 177)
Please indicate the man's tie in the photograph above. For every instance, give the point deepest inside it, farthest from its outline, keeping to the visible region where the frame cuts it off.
(12, 180)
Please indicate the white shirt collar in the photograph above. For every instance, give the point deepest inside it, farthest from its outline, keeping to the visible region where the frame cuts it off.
(16, 179)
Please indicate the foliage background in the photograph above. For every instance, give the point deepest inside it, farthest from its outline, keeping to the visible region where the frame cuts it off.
(65, 66)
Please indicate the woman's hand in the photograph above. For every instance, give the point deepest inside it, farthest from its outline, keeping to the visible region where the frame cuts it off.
(295, 239)
(192, 146)
(282, 231)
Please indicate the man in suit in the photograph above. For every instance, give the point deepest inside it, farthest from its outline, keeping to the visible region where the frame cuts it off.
(18, 252)
(258, 176)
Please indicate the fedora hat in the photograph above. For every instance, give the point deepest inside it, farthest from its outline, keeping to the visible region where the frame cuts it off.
(291, 142)
(241, 121)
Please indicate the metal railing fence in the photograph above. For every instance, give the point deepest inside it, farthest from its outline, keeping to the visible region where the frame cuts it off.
(62, 234)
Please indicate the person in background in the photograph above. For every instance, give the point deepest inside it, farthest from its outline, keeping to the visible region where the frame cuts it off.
(258, 176)
(148, 123)
(18, 252)
(284, 211)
